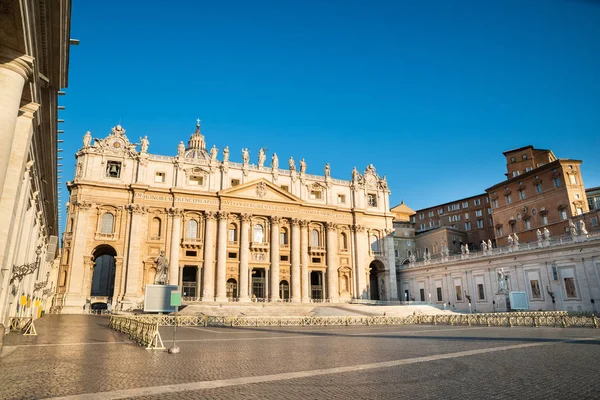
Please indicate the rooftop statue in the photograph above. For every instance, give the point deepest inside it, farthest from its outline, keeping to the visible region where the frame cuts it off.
(274, 161)
(261, 157)
(226, 154)
(144, 144)
(302, 166)
(292, 164)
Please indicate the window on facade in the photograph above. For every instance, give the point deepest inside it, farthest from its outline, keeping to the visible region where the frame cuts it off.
(515, 173)
(439, 294)
(341, 198)
(283, 236)
(570, 287)
(572, 179)
(372, 200)
(314, 238)
(232, 233)
(524, 156)
(479, 223)
(315, 194)
(465, 204)
(458, 292)
(579, 210)
(467, 226)
(431, 224)
(191, 229)
(522, 194)
(499, 231)
(156, 225)
(159, 177)
(507, 199)
(477, 202)
(235, 182)
(544, 220)
(421, 216)
(563, 214)
(422, 294)
(594, 221)
(495, 203)
(536, 293)
(513, 159)
(374, 244)
(195, 180)
(577, 196)
(538, 188)
(258, 233)
(108, 221)
(440, 211)
(285, 187)
(422, 227)
(478, 213)
(430, 214)
(556, 182)
(480, 292)
(466, 215)
(528, 224)
(528, 169)
(344, 241)
(113, 169)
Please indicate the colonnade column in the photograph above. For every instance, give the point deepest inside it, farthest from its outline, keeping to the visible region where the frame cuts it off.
(175, 246)
(133, 253)
(305, 281)
(332, 269)
(208, 285)
(274, 292)
(360, 245)
(222, 256)
(15, 70)
(392, 290)
(295, 260)
(244, 253)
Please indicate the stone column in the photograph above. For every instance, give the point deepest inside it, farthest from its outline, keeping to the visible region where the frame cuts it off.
(222, 256)
(304, 257)
(133, 253)
(361, 250)
(15, 70)
(295, 260)
(244, 255)
(332, 267)
(274, 292)
(392, 289)
(175, 246)
(208, 284)
(198, 281)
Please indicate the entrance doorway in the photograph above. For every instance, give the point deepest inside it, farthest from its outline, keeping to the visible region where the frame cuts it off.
(103, 278)
(316, 285)
(188, 282)
(377, 281)
(284, 290)
(374, 284)
(258, 283)
(232, 292)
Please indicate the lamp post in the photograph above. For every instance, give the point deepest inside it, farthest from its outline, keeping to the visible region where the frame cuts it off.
(21, 271)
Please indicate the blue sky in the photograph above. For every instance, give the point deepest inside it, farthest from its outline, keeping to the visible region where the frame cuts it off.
(430, 92)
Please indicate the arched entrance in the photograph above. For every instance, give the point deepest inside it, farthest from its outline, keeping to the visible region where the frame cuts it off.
(258, 283)
(232, 292)
(284, 290)
(377, 282)
(188, 281)
(316, 285)
(103, 278)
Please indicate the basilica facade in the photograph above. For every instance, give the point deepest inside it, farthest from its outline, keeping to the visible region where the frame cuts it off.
(228, 231)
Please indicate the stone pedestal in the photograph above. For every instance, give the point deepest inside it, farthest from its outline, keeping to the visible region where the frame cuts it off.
(502, 302)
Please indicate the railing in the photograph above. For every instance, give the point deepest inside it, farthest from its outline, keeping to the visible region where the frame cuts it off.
(144, 332)
(560, 241)
(530, 319)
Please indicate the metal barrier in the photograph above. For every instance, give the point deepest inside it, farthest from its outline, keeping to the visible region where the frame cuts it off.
(22, 324)
(145, 333)
(532, 319)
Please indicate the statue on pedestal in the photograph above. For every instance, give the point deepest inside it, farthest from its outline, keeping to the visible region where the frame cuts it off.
(181, 149)
(226, 154)
(539, 235)
(274, 161)
(546, 233)
(245, 156)
(516, 239)
(489, 244)
(466, 249)
(87, 139)
(162, 266)
(327, 170)
(573, 228)
(302, 166)
(582, 227)
(292, 164)
(510, 240)
(213, 153)
(144, 144)
(502, 282)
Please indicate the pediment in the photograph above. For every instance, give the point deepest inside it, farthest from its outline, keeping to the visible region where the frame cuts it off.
(260, 189)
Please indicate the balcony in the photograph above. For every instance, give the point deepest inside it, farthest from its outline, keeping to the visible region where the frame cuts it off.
(316, 250)
(191, 243)
(259, 246)
(106, 236)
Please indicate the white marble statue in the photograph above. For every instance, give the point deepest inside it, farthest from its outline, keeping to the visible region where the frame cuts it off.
(162, 266)
(539, 235)
(546, 233)
(516, 239)
(327, 170)
(87, 139)
(573, 228)
(510, 240)
(484, 246)
(213, 153)
(582, 228)
(502, 282)
(302, 166)
(245, 156)
(462, 249)
(292, 164)
(354, 174)
(181, 149)
(489, 244)
(466, 249)
(226, 154)
(274, 161)
(144, 144)
(261, 157)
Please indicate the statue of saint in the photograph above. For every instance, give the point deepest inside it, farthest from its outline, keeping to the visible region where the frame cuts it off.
(484, 245)
(582, 228)
(87, 139)
(226, 154)
(327, 170)
(510, 240)
(489, 244)
(274, 161)
(261, 157)
(245, 156)
(302, 166)
(162, 265)
(354, 174)
(546, 233)
(180, 149)
(539, 235)
(213, 153)
(573, 228)
(502, 282)
(516, 239)
(467, 249)
(462, 249)
(144, 144)
(292, 164)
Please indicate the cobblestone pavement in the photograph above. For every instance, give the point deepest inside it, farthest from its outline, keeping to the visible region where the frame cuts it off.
(79, 356)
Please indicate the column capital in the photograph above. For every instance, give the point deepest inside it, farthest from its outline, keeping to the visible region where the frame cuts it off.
(246, 217)
(303, 223)
(174, 212)
(331, 226)
(82, 204)
(221, 215)
(295, 222)
(137, 209)
(210, 215)
(359, 228)
(22, 64)
(275, 220)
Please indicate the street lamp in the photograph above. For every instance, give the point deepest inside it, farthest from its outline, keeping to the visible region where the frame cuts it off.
(21, 271)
